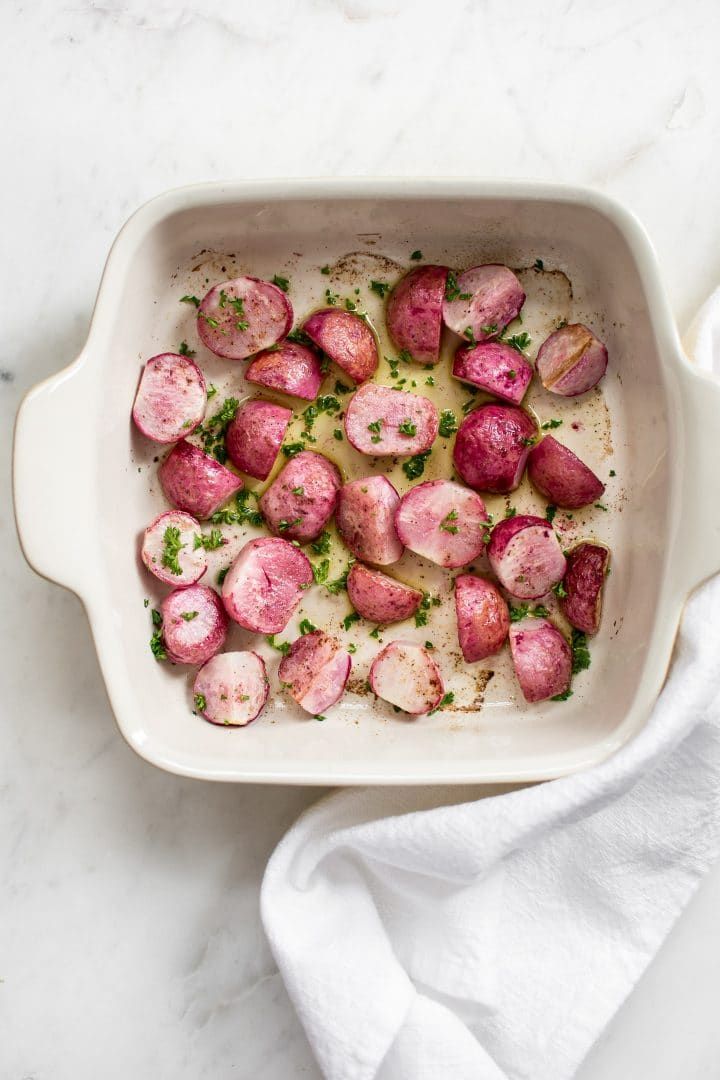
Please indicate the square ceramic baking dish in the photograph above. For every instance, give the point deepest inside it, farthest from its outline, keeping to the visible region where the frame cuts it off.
(80, 507)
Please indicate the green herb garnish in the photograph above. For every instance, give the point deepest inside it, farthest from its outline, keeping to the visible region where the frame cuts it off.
(448, 423)
(353, 617)
(380, 287)
(416, 256)
(281, 646)
(171, 549)
(185, 351)
(306, 627)
(291, 449)
(320, 571)
(452, 290)
(407, 428)
(447, 700)
(564, 696)
(281, 282)
(321, 546)
(447, 523)
(550, 425)
(190, 300)
(188, 616)
(580, 652)
(200, 702)
(550, 512)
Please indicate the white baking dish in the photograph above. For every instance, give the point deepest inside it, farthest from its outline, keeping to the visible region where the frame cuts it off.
(79, 504)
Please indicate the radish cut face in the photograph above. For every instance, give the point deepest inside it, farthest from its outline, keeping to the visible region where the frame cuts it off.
(405, 675)
(194, 624)
(379, 598)
(481, 301)
(302, 498)
(346, 339)
(587, 568)
(492, 447)
(231, 689)
(195, 482)
(365, 518)
(495, 367)
(541, 657)
(526, 556)
(255, 435)
(315, 671)
(240, 317)
(483, 618)
(290, 368)
(171, 398)
(414, 313)
(265, 584)
(381, 421)
(571, 361)
(169, 551)
(561, 476)
(443, 522)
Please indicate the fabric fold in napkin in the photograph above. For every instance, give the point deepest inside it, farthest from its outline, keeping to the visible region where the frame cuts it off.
(422, 936)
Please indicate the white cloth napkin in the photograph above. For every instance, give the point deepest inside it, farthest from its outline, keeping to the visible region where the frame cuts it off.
(496, 938)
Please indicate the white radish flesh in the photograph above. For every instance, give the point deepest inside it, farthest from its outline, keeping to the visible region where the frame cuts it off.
(240, 317)
(495, 367)
(169, 551)
(195, 482)
(381, 421)
(526, 556)
(315, 671)
(265, 584)
(405, 675)
(194, 625)
(365, 518)
(171, 398)
(481, 301)
(442, 521)
(231, 689)
(346, 339)
(571, 361)
(541, 657)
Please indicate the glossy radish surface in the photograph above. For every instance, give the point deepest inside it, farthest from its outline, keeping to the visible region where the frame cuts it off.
(231, 689)
(381, 421)
(288, 367)
(541, 657)
(265, 584)
(492, 447)
(526, 556)
(194, 624)
(195, 482)
(481, 301)
(315, 671)
(240, 317)
(254, 437)
(495, 367)
(561, 476)
(169, 549)
(483, 618)
(587, 568)
(365, 517)
(302, 498)
(442, 521)
(379, 598)
(346, 339)
(171, 398)
(406, 675)
(415, 313)
(571, 361)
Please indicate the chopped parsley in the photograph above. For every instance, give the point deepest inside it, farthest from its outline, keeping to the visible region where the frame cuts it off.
(350, 305)
(211, 542)
(448, 522)
(538, 265)
(306, 627)
(429, 381)
(213, 432)
(519, 342)
(510, 512)
(190, 300)
(281, 646)
(340, 583)
(222, 574)
(184, 350)
(448, 423)
(284, 524)
(298, 491)
(325, 270)
(210, 320)
(321, 546)
(429, 645)
(421, 615)
(380, 287)
(550, 425)
(157, 647)
(375, 633)
(489, 329)
(375, 427)
(211, 391)
(407, 428)
(341, 388)
(559, 590)
(446, 700)
(291, 449)
(326, 403)
(331, 297)
(299, 337)
(351, 648)
(188, 616)
(320, 571)
(281, 282)
(353, 617)
(580, 652)
(599, 506)
(550, 512)
(241, 515)
(613, 473)
(518, 612)
(511, 374)
(171, 549)
(200, 702)
(469, 333)
(416, 465)
(564, 696)
(529, 442)
(452, 290)
(337, 434)
(416, 256)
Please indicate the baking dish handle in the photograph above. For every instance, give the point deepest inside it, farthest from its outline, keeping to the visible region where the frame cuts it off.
(699, 524)
(52, 476)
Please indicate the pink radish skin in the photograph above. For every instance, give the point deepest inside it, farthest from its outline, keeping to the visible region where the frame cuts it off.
(380, 598)
(233, 687)
(443, 522)
(265, 318)
(290, 368)
(315, 671)
(541, 657)
(414, 313)
(302, 498)
(171, 398)
(561, 476)
(195, 482)
(365, 518)
(587, 567)
(346, 339)
(265, 584)
(405, 675)
(492, 447)
(571, 361)
(494, 367)
(496, 297)
(374, 405)
(526, 556)
(483, 618)
(191, 560)
(194, 639)
(254, 437)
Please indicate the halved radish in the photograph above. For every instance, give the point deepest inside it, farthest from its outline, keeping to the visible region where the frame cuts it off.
(315, 671)
(492, 446)
(481, 301)
(240, 317)
(526, 556)
(541, 657)
(302, 498)
(265, 584)
(483, 619)
(561, 476)
(443, 522)
(380, 598)
(406, 675)
(345, 338)
(571, 361)
(231, 689)
(381, 421)
(495, 367)
(587, 567)
(169, 551)
(171, 398)
(365, 517)
(195, 482)
(414, 312)
(289, 367)
(254, 437)
(194, 624)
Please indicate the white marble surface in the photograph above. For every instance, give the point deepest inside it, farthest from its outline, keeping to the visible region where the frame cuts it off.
(130, 943)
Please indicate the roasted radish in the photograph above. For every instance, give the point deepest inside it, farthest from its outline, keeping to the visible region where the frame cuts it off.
(495, 367)
(492, 446)
(302, 498)
(365, 518)
(561, 476)
(406, 675)
(414, 313)
(587, 567)
(483, 619)
(254, 437)
(346, 339)
(289, 367)
(443, 522)
(541, 657)
(265, 584)
(240, 317)
(381, 421)
(526, 556)
(170, 550)
(380, 598)
(195, 482)
(194, 625)
(480, 302)
(231, 689)
(315, 671)
(171, 398)
(571, 361)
